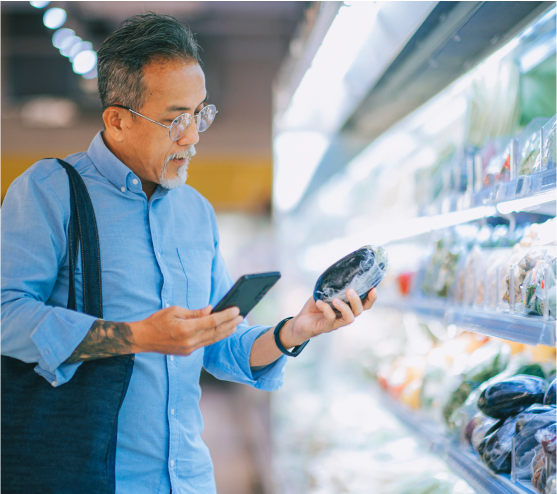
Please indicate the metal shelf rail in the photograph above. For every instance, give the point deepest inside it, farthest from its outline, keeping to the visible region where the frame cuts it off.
(530, 330)
(465, 464)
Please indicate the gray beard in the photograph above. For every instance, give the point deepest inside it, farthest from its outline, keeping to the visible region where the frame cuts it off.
(181, 172)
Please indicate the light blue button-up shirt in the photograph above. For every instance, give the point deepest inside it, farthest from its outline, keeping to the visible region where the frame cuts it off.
(155, 253)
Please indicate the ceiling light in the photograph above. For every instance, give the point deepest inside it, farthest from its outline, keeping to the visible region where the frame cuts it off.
(54, 18)
(39, 5)
(68, 43)
(78, 48)
(60, 35)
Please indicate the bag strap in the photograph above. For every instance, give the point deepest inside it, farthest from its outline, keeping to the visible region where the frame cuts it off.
(83, 231)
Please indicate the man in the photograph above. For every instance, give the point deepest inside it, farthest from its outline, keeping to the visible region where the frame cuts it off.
(161, 266)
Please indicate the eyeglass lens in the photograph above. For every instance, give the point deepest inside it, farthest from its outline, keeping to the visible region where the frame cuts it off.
(181, 123)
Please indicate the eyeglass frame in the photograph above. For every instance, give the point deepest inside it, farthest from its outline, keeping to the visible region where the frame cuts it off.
(169, 127)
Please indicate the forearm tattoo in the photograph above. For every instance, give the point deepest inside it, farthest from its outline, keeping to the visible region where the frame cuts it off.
(104, 339)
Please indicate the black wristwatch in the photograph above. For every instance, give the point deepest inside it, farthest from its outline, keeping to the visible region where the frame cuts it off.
(296, 350)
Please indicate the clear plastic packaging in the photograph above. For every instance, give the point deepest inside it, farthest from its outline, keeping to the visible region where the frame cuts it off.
(542, 467)
(529, 147)
(497, 153)
(361, 270)
(538, 289)
(525, 444)
(496, 448)
(550, 398)
(494, 278)
(547, 161)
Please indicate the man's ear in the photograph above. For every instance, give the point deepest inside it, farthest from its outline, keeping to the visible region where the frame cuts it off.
(113, 118)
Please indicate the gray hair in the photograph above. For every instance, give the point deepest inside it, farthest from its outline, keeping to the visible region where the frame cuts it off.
(139, 40)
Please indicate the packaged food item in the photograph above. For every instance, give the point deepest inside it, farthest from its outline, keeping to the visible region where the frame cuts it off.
(536, 288)
(484, 427)
(526, 446)
(511, 396)
(549, 398)
(496, 155)
(361, 270)
(542, 467)
(529, 147)
(496, 448)
(495, 279)
(484, 363)
(547, 161)
(533, 369)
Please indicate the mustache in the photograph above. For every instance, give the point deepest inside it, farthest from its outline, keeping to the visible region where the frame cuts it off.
(187, 154)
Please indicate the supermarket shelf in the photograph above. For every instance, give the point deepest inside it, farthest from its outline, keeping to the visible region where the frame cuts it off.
(522, 187)
(516, 327)
(464, 463)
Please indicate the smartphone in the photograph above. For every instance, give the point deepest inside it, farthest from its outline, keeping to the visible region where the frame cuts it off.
(247, 292)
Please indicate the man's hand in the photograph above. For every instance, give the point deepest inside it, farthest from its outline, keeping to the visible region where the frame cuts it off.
(180, 331)
(173, 331)
(318, 317)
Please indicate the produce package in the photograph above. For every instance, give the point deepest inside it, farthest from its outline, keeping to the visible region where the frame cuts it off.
(526, 446)
(485, 363)
(497, 156)
(547, 161)
(529, 147)
(361, 270)
(511, 396)
(495, 279)
(482, 426)
(542, 467)
(539, 288)
(495, 450)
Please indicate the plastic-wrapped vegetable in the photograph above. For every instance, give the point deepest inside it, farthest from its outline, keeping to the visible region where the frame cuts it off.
(530, 153)
(485, 426)
(548, 152)
(496, 448)
(536, 287)
(543, 464)
(550, 398)
(361, 270)
(511, 396)
(518, 272)
(534, 369)
(486, 362)
(528, 423)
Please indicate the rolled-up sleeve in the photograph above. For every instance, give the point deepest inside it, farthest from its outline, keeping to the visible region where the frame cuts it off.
(33, 251)
(228, 359)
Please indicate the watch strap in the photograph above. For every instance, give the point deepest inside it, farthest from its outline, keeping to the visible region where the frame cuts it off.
(296, 350)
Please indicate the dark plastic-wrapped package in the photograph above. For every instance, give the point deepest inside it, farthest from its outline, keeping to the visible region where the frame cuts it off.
(361, 270)
(484, 427)
(511, 396)
(526, 446)
(496, 448)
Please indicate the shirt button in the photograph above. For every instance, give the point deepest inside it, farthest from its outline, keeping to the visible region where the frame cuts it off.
(134, 181)
(172, 412)
(123, 189)
(172, 463)
(54, 384)
(168, 305)
(172, 357)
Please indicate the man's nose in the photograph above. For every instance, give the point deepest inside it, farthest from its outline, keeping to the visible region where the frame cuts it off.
(191, 137)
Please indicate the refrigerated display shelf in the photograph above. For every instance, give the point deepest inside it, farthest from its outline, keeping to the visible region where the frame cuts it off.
(464, 463)
(524, 186)
(530, 330)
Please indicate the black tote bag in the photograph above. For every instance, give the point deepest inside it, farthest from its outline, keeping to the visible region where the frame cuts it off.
(63, 440)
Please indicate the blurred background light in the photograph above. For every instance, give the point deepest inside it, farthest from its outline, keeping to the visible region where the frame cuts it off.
(60, 35)
(68, 44)
(54, 18)
(297, 154)
(91, 75)
(39, 5)
(48, 112)
(78, 48)
(84, 62)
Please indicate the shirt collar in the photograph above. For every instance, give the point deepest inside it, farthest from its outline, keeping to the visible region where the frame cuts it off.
(110, 167)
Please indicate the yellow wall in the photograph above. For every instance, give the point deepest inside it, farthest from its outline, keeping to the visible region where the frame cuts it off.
(230, 183)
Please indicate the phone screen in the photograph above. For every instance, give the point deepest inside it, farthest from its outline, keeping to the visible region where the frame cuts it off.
(247, 292)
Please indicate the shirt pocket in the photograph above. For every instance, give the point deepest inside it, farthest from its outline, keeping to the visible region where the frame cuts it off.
(197, 265)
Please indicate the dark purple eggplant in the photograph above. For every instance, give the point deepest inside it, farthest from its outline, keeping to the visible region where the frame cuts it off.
(550, 398)
(361, 270)
(497, 447)
(511, 396)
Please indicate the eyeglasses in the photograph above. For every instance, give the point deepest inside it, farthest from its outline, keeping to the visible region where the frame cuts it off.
(181, 123)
